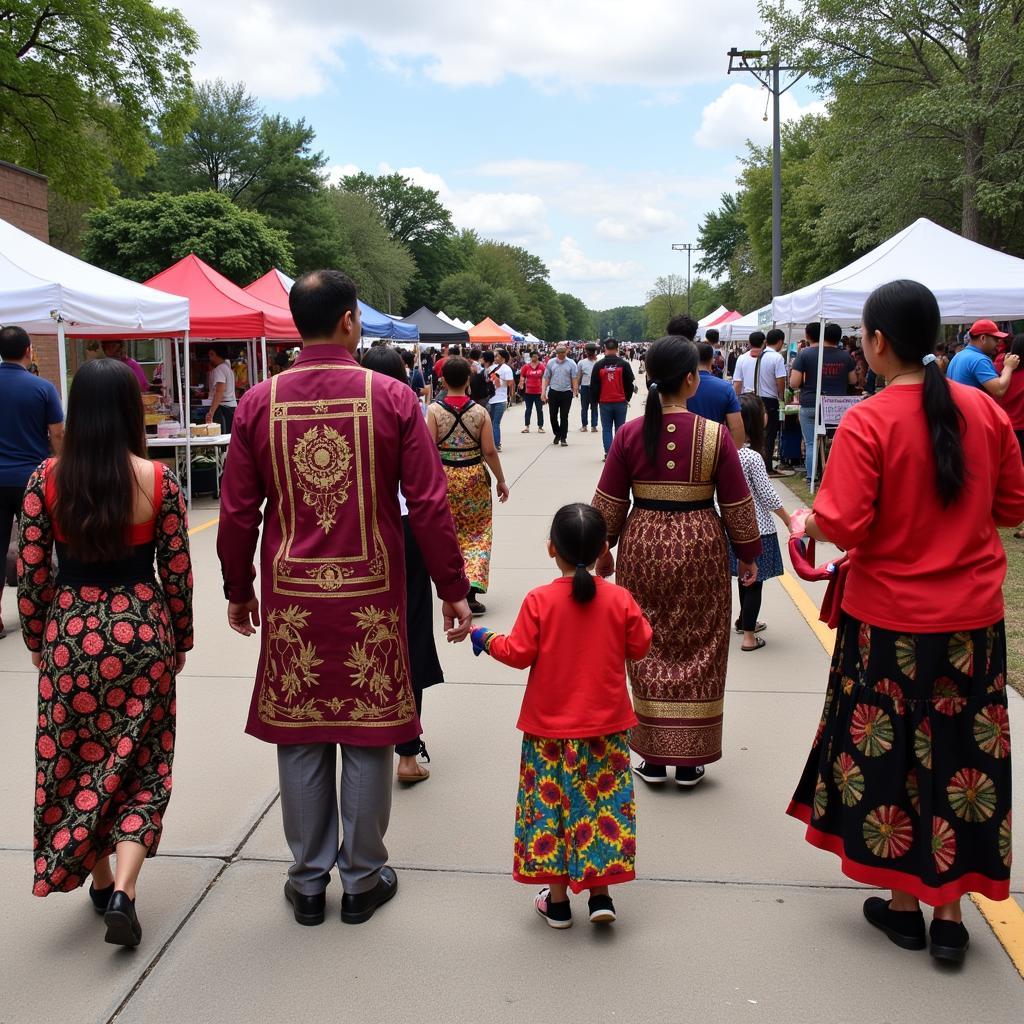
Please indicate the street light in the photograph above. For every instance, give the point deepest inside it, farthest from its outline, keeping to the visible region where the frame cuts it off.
(688, 248)
(762, 64)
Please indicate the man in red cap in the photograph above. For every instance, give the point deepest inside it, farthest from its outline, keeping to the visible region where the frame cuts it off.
(973, 364)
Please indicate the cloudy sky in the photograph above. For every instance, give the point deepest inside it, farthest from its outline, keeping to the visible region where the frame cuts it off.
(594, 132)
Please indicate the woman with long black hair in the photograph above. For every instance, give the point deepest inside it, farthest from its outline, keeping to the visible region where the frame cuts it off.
(674, 560)
(108, 639)
(908, 780)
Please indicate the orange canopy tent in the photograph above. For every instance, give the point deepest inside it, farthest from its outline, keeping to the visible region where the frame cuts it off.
(487, 332)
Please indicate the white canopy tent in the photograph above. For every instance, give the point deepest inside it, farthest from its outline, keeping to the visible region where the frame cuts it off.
(46, 291)
(715, 314)
(532, 339)
(442, 315)
(969, 281)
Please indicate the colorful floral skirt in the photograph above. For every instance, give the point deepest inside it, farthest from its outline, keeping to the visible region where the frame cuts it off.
(676, 565)
(575, 816)
(469, 498)
(908, 780)
(105, 734)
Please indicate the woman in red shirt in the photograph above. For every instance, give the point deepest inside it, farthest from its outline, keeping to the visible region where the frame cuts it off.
(908, 780)
(575, 816)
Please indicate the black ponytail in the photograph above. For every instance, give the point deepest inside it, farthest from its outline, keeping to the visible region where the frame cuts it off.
(579, 534)
(907, 314)
(670, 361)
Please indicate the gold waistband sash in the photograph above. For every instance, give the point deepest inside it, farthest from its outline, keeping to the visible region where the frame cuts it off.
(679, 709)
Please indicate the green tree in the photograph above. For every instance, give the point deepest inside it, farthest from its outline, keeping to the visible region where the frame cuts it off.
(721, 232)
(925, 72)
(664, 300)
(467, 296)
(626, 323)
(579, 323)
(84, 82)
(138, 238)
(381, 267)
(504, 307)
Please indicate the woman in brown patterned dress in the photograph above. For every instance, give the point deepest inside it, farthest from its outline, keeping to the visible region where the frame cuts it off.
(673, 558)
(108, 641)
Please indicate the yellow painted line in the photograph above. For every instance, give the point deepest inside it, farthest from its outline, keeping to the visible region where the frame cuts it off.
(809, 611)
(1006, 918)
(204, 526)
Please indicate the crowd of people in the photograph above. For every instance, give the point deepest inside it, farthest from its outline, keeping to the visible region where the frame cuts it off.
(358, 484)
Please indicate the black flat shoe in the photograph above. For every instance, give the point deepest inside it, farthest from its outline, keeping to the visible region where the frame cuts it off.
(601, 909)
(123, 928)
(477, 608)
(308, 910)
(359, 907)
(100, 897)
(904, 927)
(949, 941)
(689, 776)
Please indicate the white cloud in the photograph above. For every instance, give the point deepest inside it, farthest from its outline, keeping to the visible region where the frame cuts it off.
(531, 170)
(574, 265)
(638, 224)
(336, 172)
(287, 49)
(739, 114)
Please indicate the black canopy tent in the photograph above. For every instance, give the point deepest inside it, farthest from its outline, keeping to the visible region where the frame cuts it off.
(433, 329)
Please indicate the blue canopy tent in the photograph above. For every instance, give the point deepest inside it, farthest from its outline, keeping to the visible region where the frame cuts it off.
(379, 325)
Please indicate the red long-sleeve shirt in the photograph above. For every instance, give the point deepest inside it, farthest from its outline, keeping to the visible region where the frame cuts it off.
(577, 656)
(916, 566)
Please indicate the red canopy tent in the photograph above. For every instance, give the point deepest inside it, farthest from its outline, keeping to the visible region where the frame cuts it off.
(271, 287)
(725, 318)
(487, 332)
(219, 308)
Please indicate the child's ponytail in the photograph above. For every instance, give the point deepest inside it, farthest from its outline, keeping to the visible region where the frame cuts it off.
(583, 586)
(579, 535)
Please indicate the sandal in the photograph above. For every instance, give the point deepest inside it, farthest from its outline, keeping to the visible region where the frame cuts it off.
(759, 628)
(758, 644)
(422, 773)
(525, 430)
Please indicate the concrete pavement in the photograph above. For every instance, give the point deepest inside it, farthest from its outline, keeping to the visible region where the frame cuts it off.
(733, 918)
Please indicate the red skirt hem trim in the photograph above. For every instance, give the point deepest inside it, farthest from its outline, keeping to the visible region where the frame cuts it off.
(890, 878)
(576, 885)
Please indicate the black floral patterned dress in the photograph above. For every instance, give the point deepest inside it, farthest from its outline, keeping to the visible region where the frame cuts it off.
(108, 634)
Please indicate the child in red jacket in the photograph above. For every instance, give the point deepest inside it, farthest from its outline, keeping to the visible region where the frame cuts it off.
(575, 815)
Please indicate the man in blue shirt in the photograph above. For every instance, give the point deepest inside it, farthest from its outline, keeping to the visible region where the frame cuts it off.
(31, 426)
(715, 398)
(972, 365)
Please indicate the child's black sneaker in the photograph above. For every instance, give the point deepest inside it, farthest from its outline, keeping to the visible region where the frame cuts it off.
(602, 910)
(652, 773)
(557, 915)
(949, 941)
(690, 776)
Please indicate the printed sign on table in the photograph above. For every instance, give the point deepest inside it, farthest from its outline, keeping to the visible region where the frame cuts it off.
(835, 407)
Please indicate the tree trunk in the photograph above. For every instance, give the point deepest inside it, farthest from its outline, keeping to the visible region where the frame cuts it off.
(970, 224)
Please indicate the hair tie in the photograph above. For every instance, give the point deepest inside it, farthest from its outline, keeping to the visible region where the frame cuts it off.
(929, 359)
(581, 565)
(653, 386)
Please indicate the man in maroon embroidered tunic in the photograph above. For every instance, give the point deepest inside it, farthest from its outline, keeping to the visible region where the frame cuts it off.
(318, 453)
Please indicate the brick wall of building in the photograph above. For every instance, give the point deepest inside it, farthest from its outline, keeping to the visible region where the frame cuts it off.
(25, 203)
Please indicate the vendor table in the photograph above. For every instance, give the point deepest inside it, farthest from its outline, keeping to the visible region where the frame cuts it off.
(181, 445)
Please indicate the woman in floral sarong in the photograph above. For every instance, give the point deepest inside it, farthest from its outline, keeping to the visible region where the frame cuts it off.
(462, 430)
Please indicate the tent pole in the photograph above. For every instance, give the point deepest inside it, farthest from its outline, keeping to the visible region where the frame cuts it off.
(817, 404)
(263, 349)
(188, 422)
(62, 363)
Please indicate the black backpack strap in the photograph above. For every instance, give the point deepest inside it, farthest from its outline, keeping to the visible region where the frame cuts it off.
(457, 414)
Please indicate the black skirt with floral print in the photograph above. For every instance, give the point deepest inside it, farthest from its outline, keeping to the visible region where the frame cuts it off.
(908, 780)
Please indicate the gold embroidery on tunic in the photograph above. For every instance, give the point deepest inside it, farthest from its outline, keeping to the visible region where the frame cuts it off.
(678, 709)
(709, 441)
(378, 667)
(290, 669)
(681, 490)
(323, 459)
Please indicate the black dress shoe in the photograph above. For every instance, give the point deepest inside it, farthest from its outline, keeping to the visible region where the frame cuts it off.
(904, 927)
(100, 897)
(123, 928)
(307, 909)
(359, 907)
(949, 941)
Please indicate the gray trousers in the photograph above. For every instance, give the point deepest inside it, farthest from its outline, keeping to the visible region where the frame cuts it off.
(309, 803)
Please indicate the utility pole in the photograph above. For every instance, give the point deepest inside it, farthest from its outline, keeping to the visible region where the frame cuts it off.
(765, 67)
(689, 248)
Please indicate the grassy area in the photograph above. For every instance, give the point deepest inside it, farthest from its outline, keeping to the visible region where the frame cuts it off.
(1013, 589)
